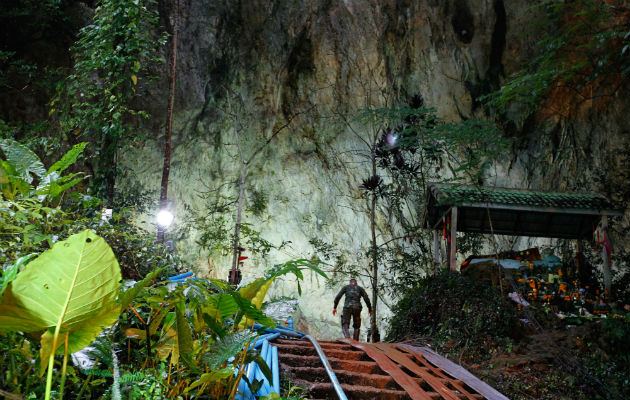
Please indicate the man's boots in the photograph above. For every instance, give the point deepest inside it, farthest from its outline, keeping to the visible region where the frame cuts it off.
(346, 332)
(356, 334)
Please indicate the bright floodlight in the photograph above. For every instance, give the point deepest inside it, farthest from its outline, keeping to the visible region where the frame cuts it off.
(390, 139)
(164, 218)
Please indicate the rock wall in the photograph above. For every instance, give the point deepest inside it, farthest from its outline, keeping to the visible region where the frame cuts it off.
(255, 66)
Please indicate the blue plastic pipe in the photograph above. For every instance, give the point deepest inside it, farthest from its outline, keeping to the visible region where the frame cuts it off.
(265, 348)
(242, 391)
(251, 370)
(275, 369)
(266, 355)
(262, 338)
(273, 336)
(270, 354)
(181, 276)
(259, 341)
(265, 389)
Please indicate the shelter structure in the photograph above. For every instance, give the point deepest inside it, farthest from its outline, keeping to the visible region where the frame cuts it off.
(456, 208)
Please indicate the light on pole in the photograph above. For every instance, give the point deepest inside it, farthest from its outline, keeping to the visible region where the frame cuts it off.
(164, 219)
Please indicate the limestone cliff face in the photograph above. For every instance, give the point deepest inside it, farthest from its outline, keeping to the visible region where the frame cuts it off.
(258, 65)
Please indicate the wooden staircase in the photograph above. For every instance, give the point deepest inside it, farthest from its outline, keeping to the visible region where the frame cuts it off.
(359, 376)
(379, 371)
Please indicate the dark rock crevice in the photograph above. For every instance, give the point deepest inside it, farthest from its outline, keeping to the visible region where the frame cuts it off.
(491, 81)
(497, 46)
(463, 22)
(300, 65)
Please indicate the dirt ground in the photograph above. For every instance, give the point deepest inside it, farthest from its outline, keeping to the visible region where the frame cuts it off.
(545, 365)
(549, 365)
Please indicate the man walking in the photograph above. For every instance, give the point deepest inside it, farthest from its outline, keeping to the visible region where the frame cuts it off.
(352, 307)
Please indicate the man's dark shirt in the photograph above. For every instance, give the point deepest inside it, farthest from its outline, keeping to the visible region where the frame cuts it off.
(353, 297)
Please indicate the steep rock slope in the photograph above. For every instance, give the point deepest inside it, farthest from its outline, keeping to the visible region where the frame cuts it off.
(255, 66)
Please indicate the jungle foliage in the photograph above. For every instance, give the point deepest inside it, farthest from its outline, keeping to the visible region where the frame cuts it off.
(96, 101)
(200, 329)
(456, 312)
(582, 56)
(58, 296)
(38, 207)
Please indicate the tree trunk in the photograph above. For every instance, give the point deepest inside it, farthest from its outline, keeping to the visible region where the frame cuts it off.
(374, 256)
(237, 225)
(166, 169)
(108, 168)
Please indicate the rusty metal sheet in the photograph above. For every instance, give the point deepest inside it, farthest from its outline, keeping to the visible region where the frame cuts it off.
(455, 371)
(400, 377)
(436, 383)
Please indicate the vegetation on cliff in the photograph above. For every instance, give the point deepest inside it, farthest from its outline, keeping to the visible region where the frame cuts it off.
(75, 82)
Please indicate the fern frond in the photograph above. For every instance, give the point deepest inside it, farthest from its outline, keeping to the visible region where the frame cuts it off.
(220, 351)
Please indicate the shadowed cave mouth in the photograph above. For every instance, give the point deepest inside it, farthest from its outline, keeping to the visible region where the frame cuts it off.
(463, 22)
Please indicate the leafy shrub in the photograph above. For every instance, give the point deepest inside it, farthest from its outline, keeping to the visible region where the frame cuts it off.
(607, 352)
(36, 211)
(453, 310)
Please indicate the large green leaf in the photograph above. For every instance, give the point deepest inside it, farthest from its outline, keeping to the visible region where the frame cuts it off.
(53, 184)
(23, 159)
(10, 273)
(220, 306)
(250, 291)
(168, 344)
(252, 313)
(127, 296)
(72, 287)
(69, 158)
(10, 182)
(211, 377)
(217, 330)
(184, 336)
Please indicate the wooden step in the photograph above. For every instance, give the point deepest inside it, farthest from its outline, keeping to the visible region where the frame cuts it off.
(353, 392)
(344, 377)
(366, 367)
(331, 352)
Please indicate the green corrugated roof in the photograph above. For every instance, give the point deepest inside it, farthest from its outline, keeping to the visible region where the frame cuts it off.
(457, 194)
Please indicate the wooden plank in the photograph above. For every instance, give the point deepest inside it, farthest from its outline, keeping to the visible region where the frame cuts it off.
(441, 376)
(456, 371)
(406, 382)
(402, 359)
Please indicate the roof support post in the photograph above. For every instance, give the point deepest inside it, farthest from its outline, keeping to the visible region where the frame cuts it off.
(606, 266)
(436, 252)
(452, 260)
